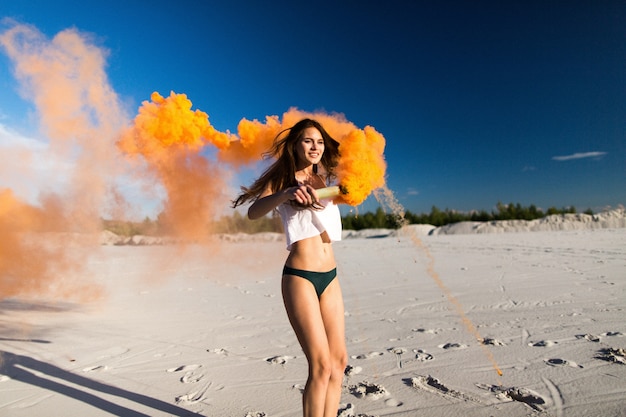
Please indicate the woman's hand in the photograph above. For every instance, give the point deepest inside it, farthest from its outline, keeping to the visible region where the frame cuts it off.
(304, 195)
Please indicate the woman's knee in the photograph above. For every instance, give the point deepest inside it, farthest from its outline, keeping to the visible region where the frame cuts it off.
(321, 368)
(339, 365)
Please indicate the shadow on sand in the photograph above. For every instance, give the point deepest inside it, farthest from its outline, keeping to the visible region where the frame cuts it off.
(32, 371)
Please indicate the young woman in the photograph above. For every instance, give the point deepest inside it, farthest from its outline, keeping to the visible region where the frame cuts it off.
(305, 161)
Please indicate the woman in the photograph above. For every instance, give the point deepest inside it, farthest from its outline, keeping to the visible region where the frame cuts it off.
(305, 161)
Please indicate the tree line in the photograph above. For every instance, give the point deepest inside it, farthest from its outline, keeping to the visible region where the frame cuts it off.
(379, 219)
(438, 217)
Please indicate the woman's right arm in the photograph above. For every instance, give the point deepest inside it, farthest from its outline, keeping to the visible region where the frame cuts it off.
(268, 201)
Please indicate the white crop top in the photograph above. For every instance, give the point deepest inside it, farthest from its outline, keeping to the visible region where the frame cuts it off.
(301, 223)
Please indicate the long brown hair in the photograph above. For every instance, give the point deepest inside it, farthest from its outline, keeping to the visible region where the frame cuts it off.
(282, 173)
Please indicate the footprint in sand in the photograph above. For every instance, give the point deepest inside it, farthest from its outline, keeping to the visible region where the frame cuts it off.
(453, 346)
(352, 370)
(279, 360)
(433, 385)
(373, 392)
(96, 368)
(219, 351)
(523, 395)
(429, 331)
(589, 337)
(367, 355)
(561, 362)
(613, 334)
(392, 402)
(493, 342)
(193, 397)
(368, 390)
(348, 410)
(422, 356)
(615, 355)
(191, 375)
(543, 343)
(185, 368)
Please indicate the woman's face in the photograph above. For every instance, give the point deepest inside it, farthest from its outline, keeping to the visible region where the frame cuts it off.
(310, 147)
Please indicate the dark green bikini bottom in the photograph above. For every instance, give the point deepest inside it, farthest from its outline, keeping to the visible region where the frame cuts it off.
(320, 280)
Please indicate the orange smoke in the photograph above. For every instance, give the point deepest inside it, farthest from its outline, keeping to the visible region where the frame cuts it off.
(18, 271)
(34, 255)
(254, 138)
(169, 123)
(77, 110)
(79, 113)
(169, 135)
(361, 167)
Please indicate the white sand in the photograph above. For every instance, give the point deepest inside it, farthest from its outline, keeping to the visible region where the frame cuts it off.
(204, 331)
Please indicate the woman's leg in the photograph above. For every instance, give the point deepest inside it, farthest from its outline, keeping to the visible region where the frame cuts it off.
(303, 310)
(331, 305)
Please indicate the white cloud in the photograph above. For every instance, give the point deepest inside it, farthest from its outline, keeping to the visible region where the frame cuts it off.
(28, 167)
(412, 191)
(10, 138)
(580, 155)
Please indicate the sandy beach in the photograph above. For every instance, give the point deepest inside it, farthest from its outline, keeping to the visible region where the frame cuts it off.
(201, 330)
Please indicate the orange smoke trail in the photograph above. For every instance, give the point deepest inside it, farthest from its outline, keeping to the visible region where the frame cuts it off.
(386, 198)
(79, 114)
(169, 135)
(454, 301)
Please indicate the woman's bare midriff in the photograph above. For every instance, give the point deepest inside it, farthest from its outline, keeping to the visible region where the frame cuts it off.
(312, 254)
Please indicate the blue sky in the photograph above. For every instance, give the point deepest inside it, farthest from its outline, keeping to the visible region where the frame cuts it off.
(479, 102)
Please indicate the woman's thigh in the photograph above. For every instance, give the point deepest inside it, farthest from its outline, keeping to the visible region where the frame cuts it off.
(305, 316)
(333, 315)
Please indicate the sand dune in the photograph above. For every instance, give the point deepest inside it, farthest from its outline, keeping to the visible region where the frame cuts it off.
(579, 221)
(200, 329)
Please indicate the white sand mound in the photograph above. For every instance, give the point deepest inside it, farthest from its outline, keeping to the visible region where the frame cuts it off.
(255, 237)
(414, 229)
(109, 238)
(608, 220)
(366, 233)
(419, 229)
